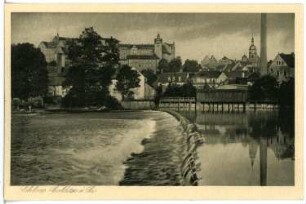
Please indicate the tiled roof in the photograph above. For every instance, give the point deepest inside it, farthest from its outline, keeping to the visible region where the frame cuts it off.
(144, 57)
(288, 58)
(209, 74)
(238, 74)
(139, 46)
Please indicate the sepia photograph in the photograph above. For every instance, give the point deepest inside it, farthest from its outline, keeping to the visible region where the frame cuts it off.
(202, 99)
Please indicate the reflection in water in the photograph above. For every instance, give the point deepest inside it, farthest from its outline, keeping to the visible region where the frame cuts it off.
(256, 148)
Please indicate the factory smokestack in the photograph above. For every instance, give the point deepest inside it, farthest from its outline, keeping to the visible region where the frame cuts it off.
(263, 44)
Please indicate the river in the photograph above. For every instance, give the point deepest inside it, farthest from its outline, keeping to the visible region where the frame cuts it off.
(246, 149)
(95, 149)
(145, 148)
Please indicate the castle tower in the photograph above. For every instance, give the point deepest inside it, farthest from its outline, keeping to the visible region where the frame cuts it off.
(158, 43)
(253, 52)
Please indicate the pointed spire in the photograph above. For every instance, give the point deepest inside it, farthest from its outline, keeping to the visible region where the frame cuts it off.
(158, 36)
(252, 39)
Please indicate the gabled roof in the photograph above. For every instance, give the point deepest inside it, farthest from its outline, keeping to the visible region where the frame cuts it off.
(288, 58)
(49, 45)
(238, 74)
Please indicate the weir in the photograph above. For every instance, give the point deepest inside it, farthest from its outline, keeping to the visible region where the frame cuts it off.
(190, 166)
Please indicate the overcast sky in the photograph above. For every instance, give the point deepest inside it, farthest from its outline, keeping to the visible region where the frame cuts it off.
(195, 35)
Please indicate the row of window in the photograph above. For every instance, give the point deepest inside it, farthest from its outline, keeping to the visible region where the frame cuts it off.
(278, 73)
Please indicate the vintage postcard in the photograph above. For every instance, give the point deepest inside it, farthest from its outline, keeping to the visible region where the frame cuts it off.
(153, 101)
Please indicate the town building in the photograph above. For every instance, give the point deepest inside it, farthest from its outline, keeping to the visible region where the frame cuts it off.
(282, 67)
(211, 78)
(178, 78)
(209, 62)
(225, 60)
(143, 92)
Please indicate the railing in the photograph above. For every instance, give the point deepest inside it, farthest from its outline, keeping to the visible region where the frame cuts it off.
(178, 100)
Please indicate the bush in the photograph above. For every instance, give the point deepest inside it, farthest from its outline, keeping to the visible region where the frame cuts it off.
(112, 103)
(186, 90)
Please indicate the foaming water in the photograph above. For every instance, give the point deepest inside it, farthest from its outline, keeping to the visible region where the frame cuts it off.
(76, 149)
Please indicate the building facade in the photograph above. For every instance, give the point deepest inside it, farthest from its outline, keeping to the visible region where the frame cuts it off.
(282, 67)
(146, 56)
(143, 92)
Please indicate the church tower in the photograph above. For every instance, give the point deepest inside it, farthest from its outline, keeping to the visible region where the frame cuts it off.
(158, 43)
(253, 58)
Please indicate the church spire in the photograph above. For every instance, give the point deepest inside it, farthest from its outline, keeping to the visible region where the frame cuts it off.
(252, 39)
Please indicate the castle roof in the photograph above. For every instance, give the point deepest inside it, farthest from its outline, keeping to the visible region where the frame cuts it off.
(143, 57)
(139, 46)
(166, 48)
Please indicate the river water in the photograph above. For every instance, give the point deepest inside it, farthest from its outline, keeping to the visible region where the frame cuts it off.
(246, 149)
(95, 149)
(145, 148)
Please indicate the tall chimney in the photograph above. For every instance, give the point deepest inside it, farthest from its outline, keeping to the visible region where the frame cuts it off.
(263, 44)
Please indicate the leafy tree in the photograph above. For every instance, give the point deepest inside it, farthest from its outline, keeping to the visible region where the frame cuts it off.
(191, 66)
(29, 72)
(163, 66)
(286, 94)
(264, 89)
(127, 78)
(93, 64)
(175, 65)
(186, 90)
(150, 76)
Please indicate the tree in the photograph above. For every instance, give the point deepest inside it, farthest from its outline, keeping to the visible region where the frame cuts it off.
(29, 72)
(127, 78)
(150, 76)
(286, 94)
(175, 65)
(93, 64)
(264, 89)
(186, 90)
(191, 66)
(163, 66)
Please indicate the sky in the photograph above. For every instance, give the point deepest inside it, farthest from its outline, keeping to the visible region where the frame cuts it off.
(195, 34)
